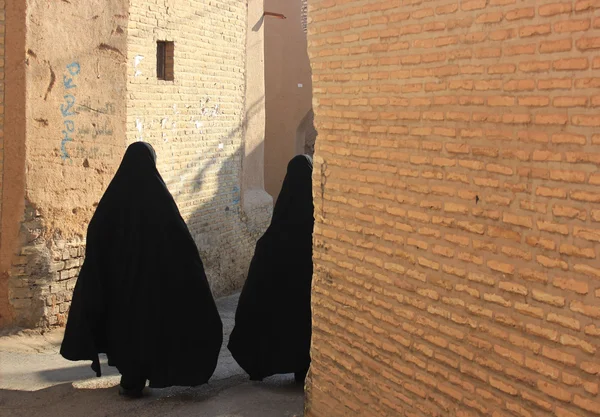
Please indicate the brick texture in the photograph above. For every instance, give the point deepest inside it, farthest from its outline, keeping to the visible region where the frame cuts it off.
(457, 206)
(196, 121)
(310, 135)
(2, 30)
(304, 15)
(4, 304)
(43, 276)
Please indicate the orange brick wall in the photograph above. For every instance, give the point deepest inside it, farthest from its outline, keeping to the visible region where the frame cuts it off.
(2, 29)
(4, 307)
(457, 205)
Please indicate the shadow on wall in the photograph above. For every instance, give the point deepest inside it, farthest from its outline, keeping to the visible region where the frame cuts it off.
(219, 229)
(225, 234)
(42, 283)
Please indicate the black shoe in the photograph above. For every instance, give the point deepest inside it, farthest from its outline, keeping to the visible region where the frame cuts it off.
(132, 386)
(131, 393)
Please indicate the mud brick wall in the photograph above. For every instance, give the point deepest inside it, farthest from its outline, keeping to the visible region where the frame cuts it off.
(196, 122)
(2, 66)
(3, 284)
(83, 104)
(457, 203)
(48, 298)
(305, 15)
(67, 133)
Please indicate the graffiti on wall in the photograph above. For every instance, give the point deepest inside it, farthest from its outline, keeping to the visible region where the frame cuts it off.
(91, 152)
(99, 115)
(71, 108)
(95, 131)
(67, 108)
(108, 108)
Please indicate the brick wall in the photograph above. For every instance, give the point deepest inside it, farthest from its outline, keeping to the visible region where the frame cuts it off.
(457, 204)
(68, 111)
(304, 15)
(3, 284)
(311, 135)
(196, 121)
(2, 66)
(103, 89)
(43, 276)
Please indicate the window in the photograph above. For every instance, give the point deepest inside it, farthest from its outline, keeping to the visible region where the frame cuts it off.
(165, 62)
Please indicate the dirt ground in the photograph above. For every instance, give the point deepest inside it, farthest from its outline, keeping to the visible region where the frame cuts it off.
(36, 381)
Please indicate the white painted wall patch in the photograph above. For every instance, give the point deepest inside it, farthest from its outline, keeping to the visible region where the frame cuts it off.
(137, 60)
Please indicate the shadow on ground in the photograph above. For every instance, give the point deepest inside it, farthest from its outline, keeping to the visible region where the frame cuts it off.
(41, 383)
(233, 397)
(57, 376)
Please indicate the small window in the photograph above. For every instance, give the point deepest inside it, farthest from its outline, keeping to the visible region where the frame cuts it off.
(165, 62)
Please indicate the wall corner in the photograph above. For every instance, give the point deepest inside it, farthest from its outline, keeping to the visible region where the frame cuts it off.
(256, 202)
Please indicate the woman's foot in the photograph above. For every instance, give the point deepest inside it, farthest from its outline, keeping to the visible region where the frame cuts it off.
(132, 387)
(131, 393)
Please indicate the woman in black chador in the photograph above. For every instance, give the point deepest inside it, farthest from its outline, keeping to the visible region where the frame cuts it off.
(142, 296)
(273, 319)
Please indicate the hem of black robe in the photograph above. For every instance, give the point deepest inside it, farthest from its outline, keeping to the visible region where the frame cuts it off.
(280, 371)
(242, 362)
(255, 372)
(95, 361)
(177, 383)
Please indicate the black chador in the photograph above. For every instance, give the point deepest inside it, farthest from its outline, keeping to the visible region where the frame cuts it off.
(142, 296)
(273, 318)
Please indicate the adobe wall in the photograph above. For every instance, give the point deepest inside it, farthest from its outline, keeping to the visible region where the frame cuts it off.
(87, 88)
(288, 89)
(4, 305)
(67, 126)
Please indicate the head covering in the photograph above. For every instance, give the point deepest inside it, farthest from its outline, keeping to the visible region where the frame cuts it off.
(273, 319)
(142, 296)
(294, 206)
(310, 160)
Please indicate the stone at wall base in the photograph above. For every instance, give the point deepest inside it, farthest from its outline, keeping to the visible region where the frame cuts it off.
(44, 273)
(258, 208)
(42, 280)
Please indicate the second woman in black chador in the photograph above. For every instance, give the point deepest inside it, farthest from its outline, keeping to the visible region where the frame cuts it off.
(273, 319)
